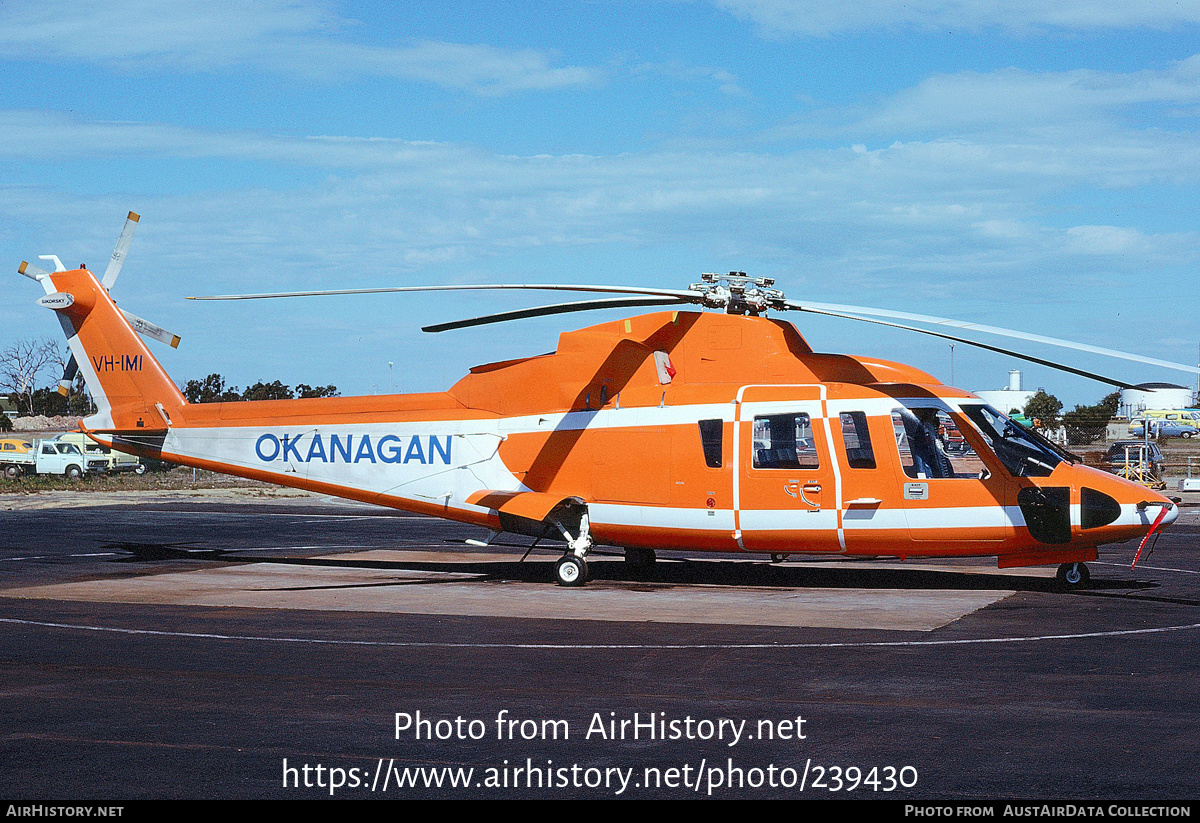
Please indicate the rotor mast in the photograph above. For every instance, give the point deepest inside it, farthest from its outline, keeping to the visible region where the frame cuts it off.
(738, 293)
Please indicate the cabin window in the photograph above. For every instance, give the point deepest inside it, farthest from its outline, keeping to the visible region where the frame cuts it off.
(711, 434)
(931, 445)
(784, 441)
(858, 440)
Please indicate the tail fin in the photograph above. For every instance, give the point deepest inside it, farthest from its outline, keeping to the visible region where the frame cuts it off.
(130, 388)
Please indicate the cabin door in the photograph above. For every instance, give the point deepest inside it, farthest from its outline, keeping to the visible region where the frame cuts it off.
(786, 491)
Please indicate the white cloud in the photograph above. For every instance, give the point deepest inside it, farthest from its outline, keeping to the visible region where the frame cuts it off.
(307, 39)
(821, 19)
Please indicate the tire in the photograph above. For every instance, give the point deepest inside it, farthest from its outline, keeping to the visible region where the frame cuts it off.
(141, 469)
(73, 472)
(1185, 435)
(12, 472)
(1073, 575)
(571, 571)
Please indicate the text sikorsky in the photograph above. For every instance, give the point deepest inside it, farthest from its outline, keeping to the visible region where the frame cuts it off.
(312, 447)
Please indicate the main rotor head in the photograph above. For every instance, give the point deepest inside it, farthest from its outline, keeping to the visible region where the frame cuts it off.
(738, 293)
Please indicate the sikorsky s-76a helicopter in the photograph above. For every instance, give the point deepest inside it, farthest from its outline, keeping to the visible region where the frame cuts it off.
(717, 431)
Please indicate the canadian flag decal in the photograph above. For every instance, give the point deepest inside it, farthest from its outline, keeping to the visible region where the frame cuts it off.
(662, 361)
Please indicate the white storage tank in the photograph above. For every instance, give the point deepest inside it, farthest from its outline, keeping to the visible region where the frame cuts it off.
(1154, 396)
(1009, 398)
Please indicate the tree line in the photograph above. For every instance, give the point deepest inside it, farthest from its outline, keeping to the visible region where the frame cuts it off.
(1084, 424)
(212, 389)
(30, 370)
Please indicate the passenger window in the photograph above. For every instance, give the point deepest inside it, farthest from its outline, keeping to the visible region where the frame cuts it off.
(931, 445)
(784, 441)
(711, 432)
(858, 440)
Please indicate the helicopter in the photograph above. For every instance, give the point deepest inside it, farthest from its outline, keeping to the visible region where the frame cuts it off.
(704, 426)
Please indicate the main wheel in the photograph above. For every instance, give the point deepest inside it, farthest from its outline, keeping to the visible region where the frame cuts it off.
(12, 472)
(571, 571)
(74, 472)
(141, 469)
(1073, 575)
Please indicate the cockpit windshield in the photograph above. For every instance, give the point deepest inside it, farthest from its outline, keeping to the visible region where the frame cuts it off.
(1023, 452)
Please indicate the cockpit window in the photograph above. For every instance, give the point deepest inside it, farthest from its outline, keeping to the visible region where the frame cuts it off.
(1023, 452)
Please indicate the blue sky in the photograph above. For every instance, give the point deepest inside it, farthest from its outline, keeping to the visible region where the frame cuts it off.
(1018, 164)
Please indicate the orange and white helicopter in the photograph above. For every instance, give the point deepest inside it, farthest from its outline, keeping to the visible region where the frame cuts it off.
(717, 431)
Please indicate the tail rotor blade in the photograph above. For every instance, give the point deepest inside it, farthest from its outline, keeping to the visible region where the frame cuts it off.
(64, 385)
(31, 271)
(118, 255)
(150, 330)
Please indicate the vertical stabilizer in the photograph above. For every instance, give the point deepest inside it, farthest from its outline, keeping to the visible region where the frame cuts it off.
(130, 388)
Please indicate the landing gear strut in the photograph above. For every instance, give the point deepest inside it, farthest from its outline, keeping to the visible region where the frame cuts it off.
(1073, 575)
(572, 569)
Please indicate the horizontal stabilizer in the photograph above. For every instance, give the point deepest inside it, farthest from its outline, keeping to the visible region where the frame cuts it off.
(531, 505)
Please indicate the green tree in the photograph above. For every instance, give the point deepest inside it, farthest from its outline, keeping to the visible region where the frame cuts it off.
(210, 390)
(1045, 409)
(268, 391)
(305, 390)
(1087, 424)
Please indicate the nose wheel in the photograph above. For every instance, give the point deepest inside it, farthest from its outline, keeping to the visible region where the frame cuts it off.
(571, 570)
(1073, 575)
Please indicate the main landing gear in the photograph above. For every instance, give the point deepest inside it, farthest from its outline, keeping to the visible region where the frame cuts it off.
(1073, 575)
(572, 569)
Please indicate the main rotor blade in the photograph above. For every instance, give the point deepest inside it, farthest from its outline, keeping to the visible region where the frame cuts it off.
(964, 326)
(118, 256)
(557, 308)
(1071, 369)
(681, 294)
(150, 330)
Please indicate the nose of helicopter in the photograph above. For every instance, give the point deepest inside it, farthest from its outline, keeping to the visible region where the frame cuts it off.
(1135, 509)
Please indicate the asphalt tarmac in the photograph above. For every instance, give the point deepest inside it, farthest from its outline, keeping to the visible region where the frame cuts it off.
(307, 648)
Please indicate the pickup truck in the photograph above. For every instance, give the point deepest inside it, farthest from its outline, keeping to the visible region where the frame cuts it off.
(44, 457)
(101, 459)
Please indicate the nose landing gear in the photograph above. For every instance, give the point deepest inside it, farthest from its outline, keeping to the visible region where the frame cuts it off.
(1073, 576)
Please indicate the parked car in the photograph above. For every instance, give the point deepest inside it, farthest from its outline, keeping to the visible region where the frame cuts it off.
(15, 457)
(1130, 453)
(1160, 427)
